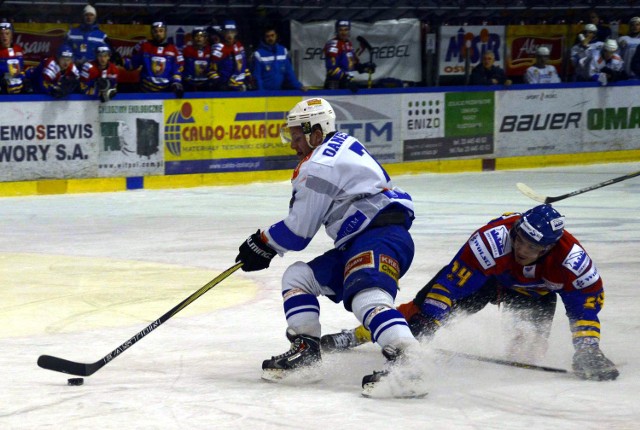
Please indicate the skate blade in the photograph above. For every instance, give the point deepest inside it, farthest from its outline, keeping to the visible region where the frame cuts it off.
(376, 391)
(299, 376)
(382, 390)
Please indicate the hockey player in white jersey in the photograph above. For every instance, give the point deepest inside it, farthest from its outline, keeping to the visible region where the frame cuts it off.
(628, 45)
(338, 184)
(541, 72)
(605, 65)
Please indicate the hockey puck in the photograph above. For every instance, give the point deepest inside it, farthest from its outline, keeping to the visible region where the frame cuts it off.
(75, 381)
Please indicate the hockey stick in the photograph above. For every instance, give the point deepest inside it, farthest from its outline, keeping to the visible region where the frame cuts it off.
(527, 191)
(365, 43)
(87, 369)
(502, 362)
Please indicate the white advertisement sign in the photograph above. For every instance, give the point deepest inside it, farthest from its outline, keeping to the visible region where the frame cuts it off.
(395, 49)
(374, 121)
(45, 140)
(456, 42)
(566, 121)
(131, 138)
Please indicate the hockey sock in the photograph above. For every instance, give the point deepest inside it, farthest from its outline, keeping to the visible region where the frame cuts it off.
(302, 311)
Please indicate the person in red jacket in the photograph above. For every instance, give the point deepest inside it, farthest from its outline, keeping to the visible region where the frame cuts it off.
(12, 76)
(521, 262)
(99, 77)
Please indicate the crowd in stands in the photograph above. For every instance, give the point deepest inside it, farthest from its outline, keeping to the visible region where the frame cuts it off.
(216, 60)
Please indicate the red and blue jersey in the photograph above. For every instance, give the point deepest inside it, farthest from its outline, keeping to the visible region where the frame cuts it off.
(91, 72)
(197, 65)
(12, 68)
(49, 75)
(230, 63)
(340, 59)
(161, 65)
(566, 270)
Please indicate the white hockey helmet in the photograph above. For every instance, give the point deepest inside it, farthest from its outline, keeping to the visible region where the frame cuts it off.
(307, 114)
(543, 51)
(610, 45)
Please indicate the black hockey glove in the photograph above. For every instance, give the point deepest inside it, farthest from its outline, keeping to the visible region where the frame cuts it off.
(366, 67)
(177, 89)
(255, 254)
(57, 92)
(423, 326)
(590, 363)
(68, 84)
(103, 84)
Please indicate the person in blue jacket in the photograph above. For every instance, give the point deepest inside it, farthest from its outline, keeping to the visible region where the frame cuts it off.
(272, 69)
(86, 37)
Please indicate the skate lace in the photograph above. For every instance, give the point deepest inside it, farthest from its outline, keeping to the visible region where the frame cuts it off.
(343, 339)
(296, 346)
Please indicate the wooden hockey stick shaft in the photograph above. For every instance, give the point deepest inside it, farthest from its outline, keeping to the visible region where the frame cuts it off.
(86, 369)
(529, 192)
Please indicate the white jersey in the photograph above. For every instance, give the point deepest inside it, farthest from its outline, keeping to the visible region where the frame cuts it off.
(338, 185)
(628, 46)
(596, 62)
(541, 75)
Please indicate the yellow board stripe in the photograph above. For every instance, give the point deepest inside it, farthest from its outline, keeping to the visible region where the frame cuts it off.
(60, 186)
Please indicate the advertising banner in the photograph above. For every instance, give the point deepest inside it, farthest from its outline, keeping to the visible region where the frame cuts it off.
(226, 135)
(395, 49)
(39, 41)
(524, 40)
(566, 121)
(456, 42)
(374, 121)
(130, 140)
(445, 125)
(41, 140)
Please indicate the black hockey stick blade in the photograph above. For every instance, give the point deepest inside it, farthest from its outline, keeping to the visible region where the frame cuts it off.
(86, 369)
(502, 362)
(528, 191)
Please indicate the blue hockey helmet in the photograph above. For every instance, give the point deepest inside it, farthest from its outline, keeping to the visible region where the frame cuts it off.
(103, 48)
(229, 25)
(6, 25)
(65, 51)
(343, 23)
(541, 225)
(198, 30)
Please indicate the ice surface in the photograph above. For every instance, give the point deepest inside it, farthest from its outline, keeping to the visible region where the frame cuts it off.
(80, 274)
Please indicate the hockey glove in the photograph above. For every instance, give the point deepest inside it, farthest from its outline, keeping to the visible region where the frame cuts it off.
(366, 67)
(177, 89)
(423, 326)
(56, 91)
(255, 254)
(590, 363)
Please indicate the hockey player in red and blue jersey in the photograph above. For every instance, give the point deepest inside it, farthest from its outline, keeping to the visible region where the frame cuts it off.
(198, 74)
(99, 78)
(341, 60)
(522, 262)
(57, 76)
(229, 60)
(160, 63)
(11, 61)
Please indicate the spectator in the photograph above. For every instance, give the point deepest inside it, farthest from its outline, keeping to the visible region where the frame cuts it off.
(160, 63)
(628, 45)
(605, 65)
(85, 38)
(230, 60)
(580, 51)
(198, 74)
(341, 60)
(11, 63)
(99, 77)
(541, 72)
(56, 76)
(272, 69)
(603, 32)
(487, 73)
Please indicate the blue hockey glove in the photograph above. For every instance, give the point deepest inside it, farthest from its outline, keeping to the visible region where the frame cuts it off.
(590, 363)
(255, 254)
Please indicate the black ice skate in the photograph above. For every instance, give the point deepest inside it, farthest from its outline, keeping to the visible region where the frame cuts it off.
(304, 354)
(401, 379)
(345, 340)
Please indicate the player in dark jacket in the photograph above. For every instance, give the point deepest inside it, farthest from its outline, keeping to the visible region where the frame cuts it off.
(522, 262)
(487, 73)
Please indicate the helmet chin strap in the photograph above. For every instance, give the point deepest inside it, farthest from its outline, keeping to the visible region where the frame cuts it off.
(308, 139)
